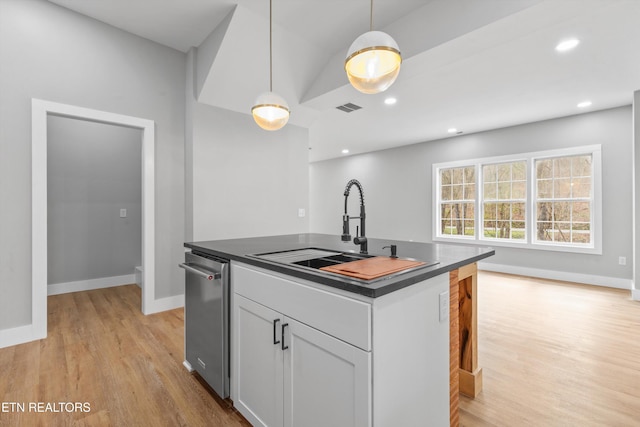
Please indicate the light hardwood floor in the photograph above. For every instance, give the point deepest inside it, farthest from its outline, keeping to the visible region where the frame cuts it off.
(553, 354)
(101, 350)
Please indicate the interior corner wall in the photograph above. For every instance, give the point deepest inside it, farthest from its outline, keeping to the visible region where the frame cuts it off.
(189, 103)
(398, 189)
(245, 181)
(50, 53)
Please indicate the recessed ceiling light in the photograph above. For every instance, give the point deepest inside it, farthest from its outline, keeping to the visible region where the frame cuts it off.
(584, 104)
(452, 130)
(390, 101)
(345, 151)
(566, 45)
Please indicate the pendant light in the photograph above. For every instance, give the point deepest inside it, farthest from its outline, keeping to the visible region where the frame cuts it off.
(270, 111)
(373, 61)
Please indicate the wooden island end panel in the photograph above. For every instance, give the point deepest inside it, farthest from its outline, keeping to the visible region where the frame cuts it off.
(470, 374)
(464, 374)
(454, 350)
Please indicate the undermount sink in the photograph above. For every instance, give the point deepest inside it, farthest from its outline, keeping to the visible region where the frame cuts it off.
(328, 262)
(311, 257)
(331, 260)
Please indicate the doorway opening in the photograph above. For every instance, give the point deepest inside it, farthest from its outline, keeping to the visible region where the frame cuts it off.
(40, 111)
(94, 211)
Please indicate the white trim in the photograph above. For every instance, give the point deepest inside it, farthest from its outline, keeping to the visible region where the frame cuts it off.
(514, 244)
(164, 304)
(90, 284)
(588, 279)
(39, 220)
(137, 274)
(635, 162)
(40, 110)
(18, 335)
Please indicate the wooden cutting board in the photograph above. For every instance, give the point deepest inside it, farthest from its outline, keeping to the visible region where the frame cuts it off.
(372, 268)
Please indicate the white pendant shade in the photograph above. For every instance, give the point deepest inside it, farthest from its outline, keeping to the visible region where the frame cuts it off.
(373, 62)
(270, 111)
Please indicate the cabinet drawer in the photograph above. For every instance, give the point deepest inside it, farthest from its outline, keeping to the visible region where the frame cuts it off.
(344, 318)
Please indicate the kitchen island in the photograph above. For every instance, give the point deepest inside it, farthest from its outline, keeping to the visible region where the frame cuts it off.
(311, 345)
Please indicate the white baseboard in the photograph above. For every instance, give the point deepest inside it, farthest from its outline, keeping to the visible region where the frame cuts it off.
(88, 285)
(164, 304)
(138, 276)
(635, 294)
(610, 282)
(19, 335)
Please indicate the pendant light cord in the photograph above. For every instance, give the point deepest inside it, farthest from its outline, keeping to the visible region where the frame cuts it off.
(271, 46)
(370, 17)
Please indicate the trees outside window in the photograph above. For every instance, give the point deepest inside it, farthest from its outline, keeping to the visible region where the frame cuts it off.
(563, 199)
(504, 200)
(458, 193)
(545, 200)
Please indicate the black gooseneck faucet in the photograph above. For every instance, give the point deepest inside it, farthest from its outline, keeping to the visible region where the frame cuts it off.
(360, 238)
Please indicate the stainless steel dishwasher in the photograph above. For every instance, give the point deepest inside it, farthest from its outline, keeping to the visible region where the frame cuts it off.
(206, 319)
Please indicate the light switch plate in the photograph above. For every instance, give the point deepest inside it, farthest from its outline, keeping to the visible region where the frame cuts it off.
(301, 213)
(123, 213)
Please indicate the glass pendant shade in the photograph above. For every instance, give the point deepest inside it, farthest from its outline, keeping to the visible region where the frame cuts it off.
(270, 111)
(373, 62)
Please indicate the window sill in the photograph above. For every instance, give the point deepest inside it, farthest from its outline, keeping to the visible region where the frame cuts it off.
(520, 245)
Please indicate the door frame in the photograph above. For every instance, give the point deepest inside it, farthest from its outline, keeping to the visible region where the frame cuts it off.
(40, 111)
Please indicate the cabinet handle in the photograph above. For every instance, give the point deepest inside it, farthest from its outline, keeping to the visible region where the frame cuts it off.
(275, 327)
(284, 347)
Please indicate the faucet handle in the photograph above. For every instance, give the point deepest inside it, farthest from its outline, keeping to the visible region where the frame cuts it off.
(360, 240)
(394, 250)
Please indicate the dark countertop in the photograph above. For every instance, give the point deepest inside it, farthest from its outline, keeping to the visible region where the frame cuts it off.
(450, 257)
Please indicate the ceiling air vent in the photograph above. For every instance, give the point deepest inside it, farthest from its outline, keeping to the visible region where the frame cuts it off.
(348, 107)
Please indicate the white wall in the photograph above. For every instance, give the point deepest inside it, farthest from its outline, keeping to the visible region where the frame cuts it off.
(244, 181)
(51, 53)
(398, 191)
(93, 171)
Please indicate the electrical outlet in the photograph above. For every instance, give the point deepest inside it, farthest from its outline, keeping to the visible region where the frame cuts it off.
(444, 306)
(622, 260)
(301, 213)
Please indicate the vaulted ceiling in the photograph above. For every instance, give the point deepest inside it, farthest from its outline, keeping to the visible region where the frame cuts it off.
(470, 64)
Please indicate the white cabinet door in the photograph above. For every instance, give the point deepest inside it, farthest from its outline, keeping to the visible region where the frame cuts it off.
(257, 368)
(326, 381)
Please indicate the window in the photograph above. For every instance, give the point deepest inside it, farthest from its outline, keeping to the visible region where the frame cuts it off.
(504, 200)
(458, 194)
(563, 199)
(546, 200)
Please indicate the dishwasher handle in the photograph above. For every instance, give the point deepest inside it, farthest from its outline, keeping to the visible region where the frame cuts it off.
(209, 275)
